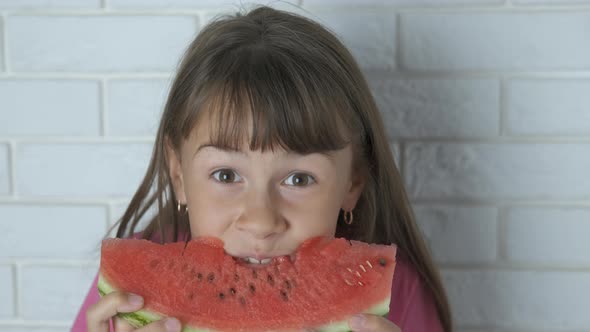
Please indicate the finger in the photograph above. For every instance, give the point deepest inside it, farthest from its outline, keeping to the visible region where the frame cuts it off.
(98, 315)
(165, 324)
(169, 324)
(122, 325)
(373, 323)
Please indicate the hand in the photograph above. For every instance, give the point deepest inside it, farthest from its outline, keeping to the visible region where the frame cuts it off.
(99, 314)
(372, 323)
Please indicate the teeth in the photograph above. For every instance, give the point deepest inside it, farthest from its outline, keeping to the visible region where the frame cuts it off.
(255, 261)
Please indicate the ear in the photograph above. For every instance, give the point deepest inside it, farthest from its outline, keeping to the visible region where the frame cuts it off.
(354, 191)
(175, 169)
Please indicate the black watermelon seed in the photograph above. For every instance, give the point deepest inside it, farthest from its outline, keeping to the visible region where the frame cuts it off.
(382, 261)
(287, 284)
(200, 276)
(236, 277)
(252, 288)
(221, 296)
(254, 274)
(284, 295)
(154, 263)
(271, 281)
(242, 301)
(211, 277)
(232, 291)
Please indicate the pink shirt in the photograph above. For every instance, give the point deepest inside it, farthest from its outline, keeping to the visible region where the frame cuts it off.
(412, 306)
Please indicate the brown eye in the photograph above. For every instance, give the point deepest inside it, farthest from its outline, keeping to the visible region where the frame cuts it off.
(300, 179)
(225, 175)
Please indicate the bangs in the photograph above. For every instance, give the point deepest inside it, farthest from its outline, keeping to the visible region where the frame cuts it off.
(273, 102)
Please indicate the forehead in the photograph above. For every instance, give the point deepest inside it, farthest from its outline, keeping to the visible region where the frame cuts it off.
(202, 143)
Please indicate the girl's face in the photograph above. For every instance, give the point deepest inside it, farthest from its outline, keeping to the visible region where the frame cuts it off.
(261, 204)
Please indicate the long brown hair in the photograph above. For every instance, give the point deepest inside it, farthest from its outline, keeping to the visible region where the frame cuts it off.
(305, 93)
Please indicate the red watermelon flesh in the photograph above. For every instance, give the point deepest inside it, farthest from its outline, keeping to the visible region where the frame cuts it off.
(328, 281)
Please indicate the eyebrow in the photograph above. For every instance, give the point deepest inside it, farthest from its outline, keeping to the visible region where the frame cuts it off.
(326, 154)
(217, 147)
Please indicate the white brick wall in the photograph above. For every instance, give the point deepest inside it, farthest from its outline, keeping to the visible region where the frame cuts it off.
(496, 40)
(7, 291)
(43, 224)
(75, 100)
(422, 107)
(83, 169)
(520, 300)
(486, 104)
(124, 105)
(98, 43)
(547, 107)
(4, 169)
(40, 302)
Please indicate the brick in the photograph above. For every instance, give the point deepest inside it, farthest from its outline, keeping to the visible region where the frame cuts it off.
(369, 35)
(520, 300)
(435, 3)
(551, 2)
(59, 107)
(438, 107)
(497, 171)
(36, 4)
(29, 328)
(81, 170)
(557, 236)
(98, 43)
(61, 301)
(488, 41)
(4, 169)
(42, 224)
(214, 4)
(548, 107)
(7, 290)
(2, 43)
(458, 234)
(129, 115)
(117, 211)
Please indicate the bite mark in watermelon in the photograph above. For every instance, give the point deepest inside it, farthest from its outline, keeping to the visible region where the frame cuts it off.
(328, 281)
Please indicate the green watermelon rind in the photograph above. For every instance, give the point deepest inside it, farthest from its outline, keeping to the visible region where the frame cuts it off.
(138, 318)
(143, 317)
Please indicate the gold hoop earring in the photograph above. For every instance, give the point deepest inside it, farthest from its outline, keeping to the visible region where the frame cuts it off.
(179, 207)
(348, 217)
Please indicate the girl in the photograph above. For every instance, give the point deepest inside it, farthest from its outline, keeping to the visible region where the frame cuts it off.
(270, 136)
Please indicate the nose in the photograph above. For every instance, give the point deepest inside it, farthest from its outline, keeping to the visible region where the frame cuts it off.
(260, 217)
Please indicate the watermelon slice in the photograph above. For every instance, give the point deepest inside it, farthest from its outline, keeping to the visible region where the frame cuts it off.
(326, 282)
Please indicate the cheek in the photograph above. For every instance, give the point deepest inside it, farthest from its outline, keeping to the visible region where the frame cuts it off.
(209, 214)
(317, 215)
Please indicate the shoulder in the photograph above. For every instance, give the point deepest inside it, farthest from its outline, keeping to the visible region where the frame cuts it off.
(412, 305)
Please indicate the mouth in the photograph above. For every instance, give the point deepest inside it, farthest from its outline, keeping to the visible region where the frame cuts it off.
(252, 262)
